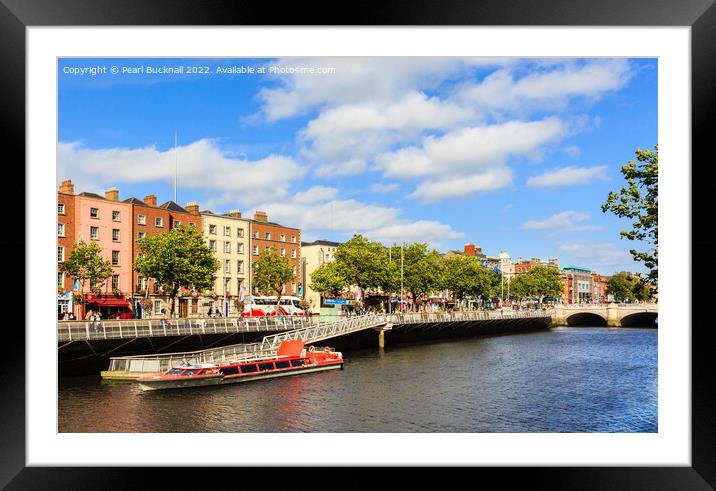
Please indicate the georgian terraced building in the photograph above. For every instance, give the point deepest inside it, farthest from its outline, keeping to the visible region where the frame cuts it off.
(228, 237)
(104, 220)
(286, 241)
(148, 220)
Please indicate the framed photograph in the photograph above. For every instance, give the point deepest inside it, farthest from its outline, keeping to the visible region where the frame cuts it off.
(487, 142)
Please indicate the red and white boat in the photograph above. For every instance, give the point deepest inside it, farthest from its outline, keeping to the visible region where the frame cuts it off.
(291, 359)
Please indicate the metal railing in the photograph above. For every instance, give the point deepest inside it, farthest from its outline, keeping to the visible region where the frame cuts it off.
(269, 345)
(134, 328)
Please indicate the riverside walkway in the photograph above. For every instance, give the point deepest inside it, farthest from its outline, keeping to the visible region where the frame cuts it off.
(129, 367)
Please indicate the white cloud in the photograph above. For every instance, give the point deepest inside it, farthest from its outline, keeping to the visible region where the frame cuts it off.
(420, 231)
(501, 91)
(568, 176)
(461, 187)
(359, 80)
(352, 134)
(566, 220)
(201, 165)
(380, 187)
(333, 217)
(315, 194)
(572, 151)
(601, 256)
(471, 149)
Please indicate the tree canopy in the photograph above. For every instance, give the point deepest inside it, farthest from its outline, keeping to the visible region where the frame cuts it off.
(86, 264)
(362, 263)
(271, 272)
(625, 286)
(177, 258)
(465, 277)
(540, 281)
(639, 201)
(327, 280)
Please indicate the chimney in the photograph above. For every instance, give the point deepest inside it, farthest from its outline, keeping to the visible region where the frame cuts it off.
(260, 216)
(66, 187)
(469, 249)
(235, 213)
(150, 199)
(192, 207)
(112, 194)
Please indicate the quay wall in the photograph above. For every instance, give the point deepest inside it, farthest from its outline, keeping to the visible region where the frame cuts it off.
(420, 332)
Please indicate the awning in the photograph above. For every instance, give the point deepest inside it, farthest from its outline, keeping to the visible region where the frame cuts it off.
(109, 302)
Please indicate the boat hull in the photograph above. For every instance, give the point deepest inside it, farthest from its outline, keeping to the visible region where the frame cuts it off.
(188, 382)
(178, 383)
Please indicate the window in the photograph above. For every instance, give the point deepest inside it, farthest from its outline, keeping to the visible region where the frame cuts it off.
(266, 366)
(267, 235)
(140, 283)
(176, 223)
(227, 285)
(268, 248)
(141, 220)
(282, 364)
(296, 363)
(158, 222)
(60, 209)
(255, 235)
(115, 234)
(283, 252)
(115, 282)
(239, 266)
(248, 368)
(227, 247)
(256, 250)
(94, 212)
(239, 248)
(115, 215)
(60, 229)
(60, 278)
(212, 229)
(283, 237)
(227, 231)
(94, 233)
(60, 254)
(293, 253)
(212, 245)
(227, 266)
(141, 235)
(239, 285)
(115, 258)
(293, 239)
(240, 232)
(157, 306)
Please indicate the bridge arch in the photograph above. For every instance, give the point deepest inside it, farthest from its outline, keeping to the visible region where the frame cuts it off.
(586, 319)
(639, 319)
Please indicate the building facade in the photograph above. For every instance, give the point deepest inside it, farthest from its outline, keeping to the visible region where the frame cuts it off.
(313, 256)
(286, 241)
(577, 286)
(228, 237)
(149, 220)
(66, 237)
(527, 265)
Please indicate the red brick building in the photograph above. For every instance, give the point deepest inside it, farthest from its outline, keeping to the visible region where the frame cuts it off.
(526, 266)
(286, 241)
(148, 220)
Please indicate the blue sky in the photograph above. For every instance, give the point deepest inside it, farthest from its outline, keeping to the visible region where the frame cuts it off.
(510, 154)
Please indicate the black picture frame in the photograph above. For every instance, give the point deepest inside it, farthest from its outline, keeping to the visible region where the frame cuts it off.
(700, 15)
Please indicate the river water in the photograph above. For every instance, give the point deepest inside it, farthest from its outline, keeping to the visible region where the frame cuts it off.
(560, 380)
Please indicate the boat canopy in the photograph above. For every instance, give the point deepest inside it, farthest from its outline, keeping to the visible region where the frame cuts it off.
(291, 347)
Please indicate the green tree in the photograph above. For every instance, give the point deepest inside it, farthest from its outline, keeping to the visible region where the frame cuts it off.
(177, 258)
(327, 280)
(271, 272)
(625, 286)
(540, 281)
(465, 277)
(86, 264)
(639, 201)
(362, 263)
(422, 270)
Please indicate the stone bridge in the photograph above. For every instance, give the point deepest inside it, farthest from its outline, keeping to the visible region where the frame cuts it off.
(611, 314)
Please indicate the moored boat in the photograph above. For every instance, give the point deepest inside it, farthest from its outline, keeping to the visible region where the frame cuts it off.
(292, 358)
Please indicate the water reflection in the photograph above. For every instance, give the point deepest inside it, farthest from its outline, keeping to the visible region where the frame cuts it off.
(563, 380)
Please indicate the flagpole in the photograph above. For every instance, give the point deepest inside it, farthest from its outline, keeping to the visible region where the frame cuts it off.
(176, 166)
